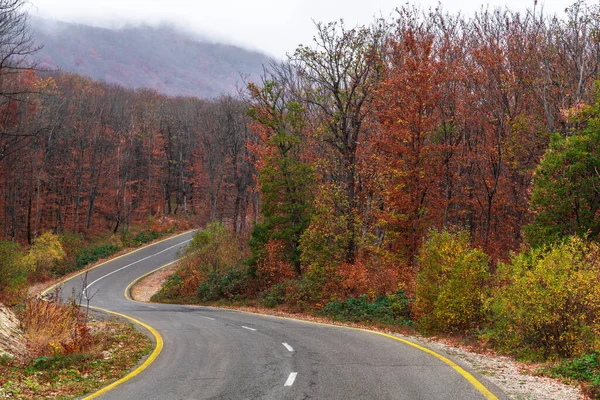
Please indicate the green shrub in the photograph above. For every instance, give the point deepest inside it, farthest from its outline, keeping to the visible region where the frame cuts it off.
(89, 255)
(302, 294)
(13, 269)
(275, 295)
(228, 285)
(210, 269)
(57, 362)
(170, 289)
(297, 294)
(547, 301)
(142, 237)
(399, 305)
(584, 369)
(5, 359)
(72, 244)
(126, 238)
(392, 309)
(214, 249)
(451, 283)
(145, 237)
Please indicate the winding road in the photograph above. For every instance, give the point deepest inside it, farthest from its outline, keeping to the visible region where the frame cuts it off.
(211, 353)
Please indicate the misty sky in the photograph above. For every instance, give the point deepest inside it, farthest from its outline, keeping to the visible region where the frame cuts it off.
(273, 26)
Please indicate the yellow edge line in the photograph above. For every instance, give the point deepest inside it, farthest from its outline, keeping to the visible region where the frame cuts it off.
(159, 341)
(127, 293)
(145, 364)
(157, 337)
(469, 377)
(45, 291)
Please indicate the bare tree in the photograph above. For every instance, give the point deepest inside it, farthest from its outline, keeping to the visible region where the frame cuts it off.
(16, 47)
(341, 73)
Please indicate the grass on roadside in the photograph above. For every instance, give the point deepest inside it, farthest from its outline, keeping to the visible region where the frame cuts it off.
(69, 356)
(584, 369)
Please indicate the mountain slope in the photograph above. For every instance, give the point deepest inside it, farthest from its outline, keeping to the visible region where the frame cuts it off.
(172, 62)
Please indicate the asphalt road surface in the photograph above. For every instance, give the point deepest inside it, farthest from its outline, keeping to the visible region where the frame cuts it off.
(211, 353)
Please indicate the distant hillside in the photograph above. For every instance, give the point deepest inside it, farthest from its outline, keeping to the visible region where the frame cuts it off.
(163, 58)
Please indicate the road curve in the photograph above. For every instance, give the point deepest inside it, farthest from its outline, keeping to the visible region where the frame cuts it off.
(212, 353)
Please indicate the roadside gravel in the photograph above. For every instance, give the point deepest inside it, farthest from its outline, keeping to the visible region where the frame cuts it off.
(512, 377)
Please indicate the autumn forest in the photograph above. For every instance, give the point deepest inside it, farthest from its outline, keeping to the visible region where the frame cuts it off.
(433, 167)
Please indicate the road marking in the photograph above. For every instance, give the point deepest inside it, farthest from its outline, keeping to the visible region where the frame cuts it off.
(291, 379)
(52, 287)
(152, 307)
(287, 346)
(202, 316)
(247, 327)
(127, 293)
(470, 378)
(158, 339)
(129, 265)
(145, 364)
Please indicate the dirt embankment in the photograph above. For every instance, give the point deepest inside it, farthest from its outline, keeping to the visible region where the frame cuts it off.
(12, 341)
(149, 285)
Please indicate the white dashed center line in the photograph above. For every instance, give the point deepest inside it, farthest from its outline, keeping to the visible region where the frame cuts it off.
(287, 346)
(291, 379)
(212, 319)
(247, 327)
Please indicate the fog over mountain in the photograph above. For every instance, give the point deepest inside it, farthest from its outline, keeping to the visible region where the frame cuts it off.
(169, 60)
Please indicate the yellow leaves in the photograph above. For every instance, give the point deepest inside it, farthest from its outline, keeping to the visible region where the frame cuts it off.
(551, 300)
(450, 285)
(55, 347)
(45, 252)
(48, 84)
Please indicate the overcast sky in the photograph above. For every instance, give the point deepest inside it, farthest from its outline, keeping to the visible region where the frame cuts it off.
(273, 26)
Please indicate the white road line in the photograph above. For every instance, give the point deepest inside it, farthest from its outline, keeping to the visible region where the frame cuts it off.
(202, 316)
(247, 327)
(287, 346)
(291, 379)
(153, 307)
(129, 265)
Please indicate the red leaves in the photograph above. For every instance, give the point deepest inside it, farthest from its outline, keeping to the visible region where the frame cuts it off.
(274, 267)
(409, 157)
(99, 157)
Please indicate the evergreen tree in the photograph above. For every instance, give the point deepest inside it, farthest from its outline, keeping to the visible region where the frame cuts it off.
(284, 176)
(566, 187)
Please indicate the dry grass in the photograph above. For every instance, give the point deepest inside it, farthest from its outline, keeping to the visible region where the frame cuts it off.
(55, 327)
(117, 348)
(69, 355)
